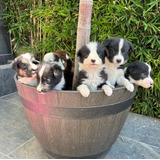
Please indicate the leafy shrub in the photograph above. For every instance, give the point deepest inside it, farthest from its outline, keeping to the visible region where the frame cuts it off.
(47, 26)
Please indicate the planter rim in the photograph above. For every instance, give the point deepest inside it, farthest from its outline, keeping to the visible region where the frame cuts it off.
(65, 91)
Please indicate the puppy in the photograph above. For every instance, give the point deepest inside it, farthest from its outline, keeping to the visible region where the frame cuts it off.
(49, 77)
(52, 58)
(91, 69)
(26, 66)
(117, 54)
(62, 59)
(139, 73)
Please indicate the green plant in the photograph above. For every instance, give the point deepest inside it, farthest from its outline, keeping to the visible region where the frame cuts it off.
(47, 26)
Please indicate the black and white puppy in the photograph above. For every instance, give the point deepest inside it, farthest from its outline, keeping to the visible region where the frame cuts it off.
(91, 69)
(139, 73)
(50, 77)
(117, 54)
(25, 65)
(63, 60)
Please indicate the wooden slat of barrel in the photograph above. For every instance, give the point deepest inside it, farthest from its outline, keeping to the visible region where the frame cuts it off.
(54, 133)
(37, 126)
(73, 137)
(68, 99)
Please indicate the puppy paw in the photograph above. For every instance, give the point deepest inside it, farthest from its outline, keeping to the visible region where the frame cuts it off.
(130, 87)
(85, 92)
(83, 89)
(107, 90)
(109, 84)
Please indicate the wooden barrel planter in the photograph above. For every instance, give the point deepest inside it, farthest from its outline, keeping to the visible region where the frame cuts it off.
(68, 125)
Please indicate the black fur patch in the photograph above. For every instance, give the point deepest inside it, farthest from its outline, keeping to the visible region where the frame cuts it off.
(83, 53)
(121, 66)
(104, 77)
(81, 77)
(137, 70)
(68, 75)
(101, 52)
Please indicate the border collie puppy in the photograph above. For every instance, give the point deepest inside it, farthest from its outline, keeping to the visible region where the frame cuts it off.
(49, 77)
(139, 73)
(117, 54)
(62, 59)
(26, 66)
(91, 69)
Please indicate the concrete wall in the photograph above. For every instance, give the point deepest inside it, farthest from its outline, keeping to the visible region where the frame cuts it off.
(7, 84)
(5, 43)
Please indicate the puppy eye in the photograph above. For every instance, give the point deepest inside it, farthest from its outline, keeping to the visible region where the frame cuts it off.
(123, 50)
(111, 51)
(100, 55)
(47, 81)
(35, 62)
(24, 66)
(143, 75)
(85, 56)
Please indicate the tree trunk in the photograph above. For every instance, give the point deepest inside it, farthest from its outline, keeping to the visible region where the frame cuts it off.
(83, 30)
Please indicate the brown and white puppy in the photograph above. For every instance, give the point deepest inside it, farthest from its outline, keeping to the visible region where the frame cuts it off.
(91, 69)
(63, 60)
(117, 54)
(50, 76)
(26, 66)
(139, 73)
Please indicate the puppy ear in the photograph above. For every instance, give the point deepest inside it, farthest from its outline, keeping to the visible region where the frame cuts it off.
(14, 65)
(106, 42)
(106, 52)
(79, 53)
(132, 70)
(36, 58)
(57, 71)
(56, 58)
(36, 62)
(131, 46)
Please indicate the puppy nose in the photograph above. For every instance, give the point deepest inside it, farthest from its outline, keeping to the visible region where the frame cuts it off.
(119, 60)
(39, 89)
(151, 83)
(93, 61)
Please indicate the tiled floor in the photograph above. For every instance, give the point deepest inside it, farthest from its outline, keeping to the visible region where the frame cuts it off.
(139, 138)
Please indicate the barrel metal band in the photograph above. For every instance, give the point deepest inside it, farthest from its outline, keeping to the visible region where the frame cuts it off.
(80, 112)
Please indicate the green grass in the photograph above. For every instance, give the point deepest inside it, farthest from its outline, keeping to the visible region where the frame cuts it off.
(55, 28)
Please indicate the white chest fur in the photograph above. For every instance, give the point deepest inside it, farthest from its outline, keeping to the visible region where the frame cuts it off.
(112, 71)
(93, 81)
